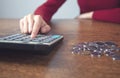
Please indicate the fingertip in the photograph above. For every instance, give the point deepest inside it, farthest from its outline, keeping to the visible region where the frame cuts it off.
(32, 36)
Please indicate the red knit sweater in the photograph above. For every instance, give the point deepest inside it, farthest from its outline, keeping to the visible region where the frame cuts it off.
(104, 10)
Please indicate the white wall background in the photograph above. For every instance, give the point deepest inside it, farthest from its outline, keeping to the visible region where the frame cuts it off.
(20, 8)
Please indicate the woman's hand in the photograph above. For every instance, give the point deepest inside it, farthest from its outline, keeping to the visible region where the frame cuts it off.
(87, 15)
(33, 24)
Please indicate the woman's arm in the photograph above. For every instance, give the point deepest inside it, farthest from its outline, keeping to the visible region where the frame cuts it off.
(109, 15)
(47, 10)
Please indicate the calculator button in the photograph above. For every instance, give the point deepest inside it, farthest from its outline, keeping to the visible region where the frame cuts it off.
(47, 39)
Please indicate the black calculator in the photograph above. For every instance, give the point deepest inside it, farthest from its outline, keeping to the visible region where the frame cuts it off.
(22, 42)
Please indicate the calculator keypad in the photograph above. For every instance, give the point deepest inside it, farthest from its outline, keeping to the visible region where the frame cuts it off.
(26, 38)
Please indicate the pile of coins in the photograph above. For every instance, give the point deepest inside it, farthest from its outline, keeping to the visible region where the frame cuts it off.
(98, 48)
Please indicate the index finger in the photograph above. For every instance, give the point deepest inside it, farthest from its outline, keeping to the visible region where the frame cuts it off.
(36, 26)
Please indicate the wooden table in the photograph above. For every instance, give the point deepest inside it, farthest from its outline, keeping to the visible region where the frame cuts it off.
(61, 63)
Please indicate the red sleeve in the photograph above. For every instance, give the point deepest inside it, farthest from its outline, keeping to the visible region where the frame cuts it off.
(47, 9)
(110, 15)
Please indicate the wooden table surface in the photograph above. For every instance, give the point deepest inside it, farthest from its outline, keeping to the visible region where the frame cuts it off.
(61, 63)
